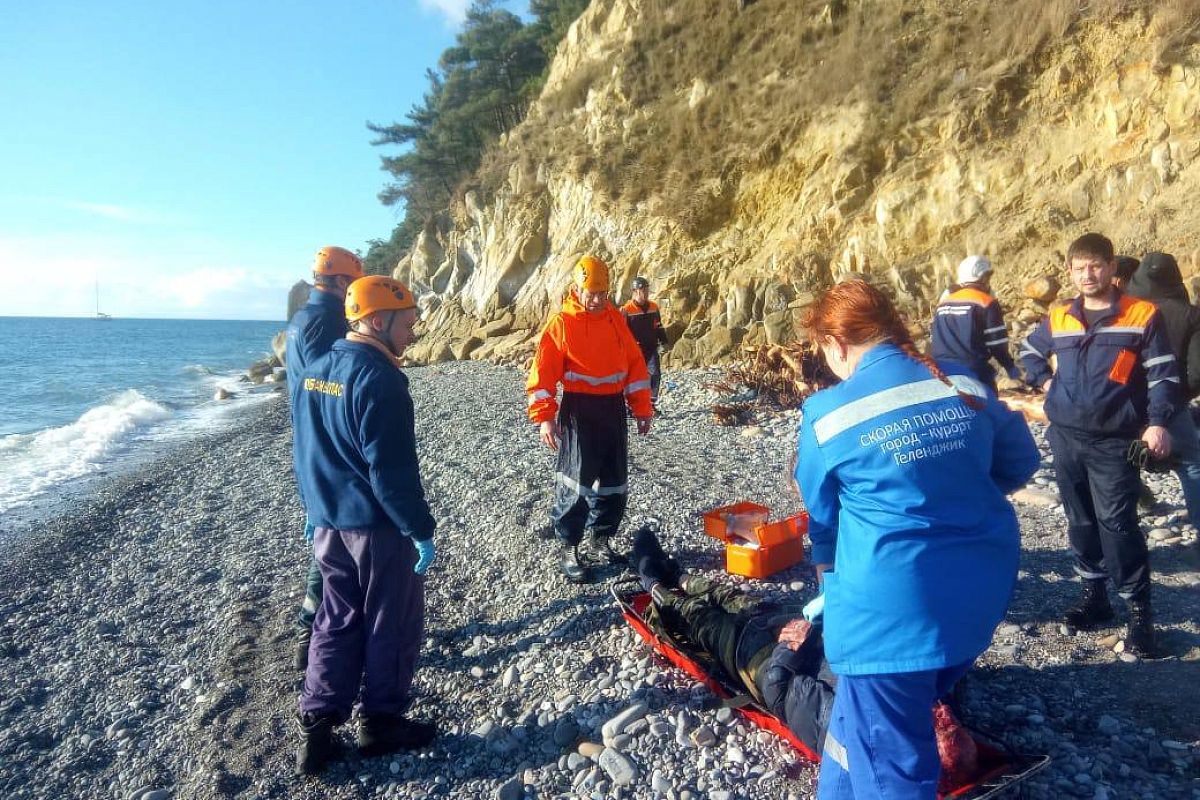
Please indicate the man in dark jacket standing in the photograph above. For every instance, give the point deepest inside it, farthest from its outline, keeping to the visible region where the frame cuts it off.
(356, 464)
(310, 334)
(1158, 280)
(968, 324)
(1115, 373)
(645, 322)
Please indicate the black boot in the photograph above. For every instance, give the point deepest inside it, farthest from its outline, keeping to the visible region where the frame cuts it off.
(303, 639)
(317, 744)
(651, 563)
(1093, 607)
(572, 570)
(597, 548)
(389, 733)
(1139, 635)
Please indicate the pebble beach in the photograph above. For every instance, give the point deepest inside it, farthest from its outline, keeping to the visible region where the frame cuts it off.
(146, 634)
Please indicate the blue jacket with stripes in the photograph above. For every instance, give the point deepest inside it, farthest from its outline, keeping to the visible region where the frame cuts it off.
(968, 327)
(905, 486)
(1112, 378)
(356, 445)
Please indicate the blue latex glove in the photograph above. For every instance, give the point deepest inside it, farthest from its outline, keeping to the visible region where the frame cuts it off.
(426, 553)
(310, 531)
(814, 609)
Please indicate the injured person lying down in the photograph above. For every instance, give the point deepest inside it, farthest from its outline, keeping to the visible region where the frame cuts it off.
(771, 651)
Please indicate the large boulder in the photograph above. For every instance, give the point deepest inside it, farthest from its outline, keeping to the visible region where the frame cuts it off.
(1042, 290)
(279, 347)
(297, 297)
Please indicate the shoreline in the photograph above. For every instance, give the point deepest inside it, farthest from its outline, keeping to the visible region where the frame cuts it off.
(147, 632)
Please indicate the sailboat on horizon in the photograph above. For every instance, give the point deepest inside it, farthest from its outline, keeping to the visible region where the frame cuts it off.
(100, 315)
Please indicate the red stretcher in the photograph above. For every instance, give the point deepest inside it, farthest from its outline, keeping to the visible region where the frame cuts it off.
(999, 769)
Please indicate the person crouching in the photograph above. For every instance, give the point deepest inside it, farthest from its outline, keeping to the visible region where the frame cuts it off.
(357, 469)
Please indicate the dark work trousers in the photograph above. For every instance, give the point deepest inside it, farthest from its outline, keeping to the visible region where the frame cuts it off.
(369, 627)
(655, 369)
(591, 476)
(712, 619)
(1099, 489)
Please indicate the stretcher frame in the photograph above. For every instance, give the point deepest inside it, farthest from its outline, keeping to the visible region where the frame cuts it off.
(1002, 769)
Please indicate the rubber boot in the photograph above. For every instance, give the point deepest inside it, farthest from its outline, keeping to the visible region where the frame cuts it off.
(317, 744)
(1139, 635)
(572, 569)
(390, 733)
(303, 639)
(597, 548)
(1093, 607)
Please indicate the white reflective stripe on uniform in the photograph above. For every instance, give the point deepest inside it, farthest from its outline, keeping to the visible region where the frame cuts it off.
(589, 491)
(616, 377)
(1068, 334)
(637, 386)
(836, 750)
(1152, 384)
(1157, 360)
(1123, 329)
(889, 400)
(994, 342)
(1028, 349)
(540, 394)
(996, 329)
(1091, 576)
(954, 311)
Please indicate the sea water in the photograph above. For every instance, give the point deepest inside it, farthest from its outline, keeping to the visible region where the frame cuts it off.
(86, 397)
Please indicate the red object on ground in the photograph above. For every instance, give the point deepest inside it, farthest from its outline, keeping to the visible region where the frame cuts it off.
(993, 771)
(956, 749)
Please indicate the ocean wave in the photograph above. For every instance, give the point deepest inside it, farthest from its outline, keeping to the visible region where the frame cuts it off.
(198, 369)
(37, 462)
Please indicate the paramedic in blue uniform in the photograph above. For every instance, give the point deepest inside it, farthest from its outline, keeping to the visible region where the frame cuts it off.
(1116, 382)
(903, 467)
(311, 333)
(356, 463)
(968, 324)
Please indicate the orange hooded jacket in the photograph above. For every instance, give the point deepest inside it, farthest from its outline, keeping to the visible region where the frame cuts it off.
(589, 354)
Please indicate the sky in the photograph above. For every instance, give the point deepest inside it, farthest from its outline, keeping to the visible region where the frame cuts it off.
(189, 157)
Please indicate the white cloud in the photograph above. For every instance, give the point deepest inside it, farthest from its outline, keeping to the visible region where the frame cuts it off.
(120, 213)
(455, 11)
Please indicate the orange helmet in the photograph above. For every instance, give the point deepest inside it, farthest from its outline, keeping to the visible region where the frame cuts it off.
(337, 261)
(376, 293)
(591, 274)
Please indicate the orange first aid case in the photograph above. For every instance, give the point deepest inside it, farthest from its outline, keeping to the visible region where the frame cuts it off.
(780, 544)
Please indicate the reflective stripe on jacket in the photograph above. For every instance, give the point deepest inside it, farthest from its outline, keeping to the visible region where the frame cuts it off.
(589, 354)
(968, 327)
(646, 326)
(1113, 378)
(905, 487)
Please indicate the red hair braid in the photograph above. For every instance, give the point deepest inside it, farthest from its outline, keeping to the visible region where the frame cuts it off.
(854, 312)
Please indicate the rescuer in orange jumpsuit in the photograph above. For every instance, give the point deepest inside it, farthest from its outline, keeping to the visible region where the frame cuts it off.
(587, 347)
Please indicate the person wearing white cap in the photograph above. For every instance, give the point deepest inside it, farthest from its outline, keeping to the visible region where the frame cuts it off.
(968, 324)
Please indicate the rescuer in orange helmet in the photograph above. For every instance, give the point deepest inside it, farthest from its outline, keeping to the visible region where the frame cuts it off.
(587, 347)
(310, 333)
(359, 478)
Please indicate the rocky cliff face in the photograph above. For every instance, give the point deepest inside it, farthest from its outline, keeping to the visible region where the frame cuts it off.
(1013, 156)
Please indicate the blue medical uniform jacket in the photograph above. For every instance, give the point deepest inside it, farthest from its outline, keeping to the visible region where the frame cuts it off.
(356, 446)
(905, 488)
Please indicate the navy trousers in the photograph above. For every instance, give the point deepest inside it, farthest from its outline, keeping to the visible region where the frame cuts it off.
(881, 742)
(369, 627)
(1099, 489)
(591, 476)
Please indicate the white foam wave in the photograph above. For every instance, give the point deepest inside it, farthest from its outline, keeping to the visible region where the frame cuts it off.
(34, 463)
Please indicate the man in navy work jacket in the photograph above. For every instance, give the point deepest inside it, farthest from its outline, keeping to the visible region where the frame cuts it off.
(310, 334)
(356, 463)
(1116, 375)
(968, 325)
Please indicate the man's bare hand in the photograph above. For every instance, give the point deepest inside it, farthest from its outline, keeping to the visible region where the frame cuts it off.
(795, 633)
(1046, 385)
(550, 434)
(1158, 441)
(643, 425)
